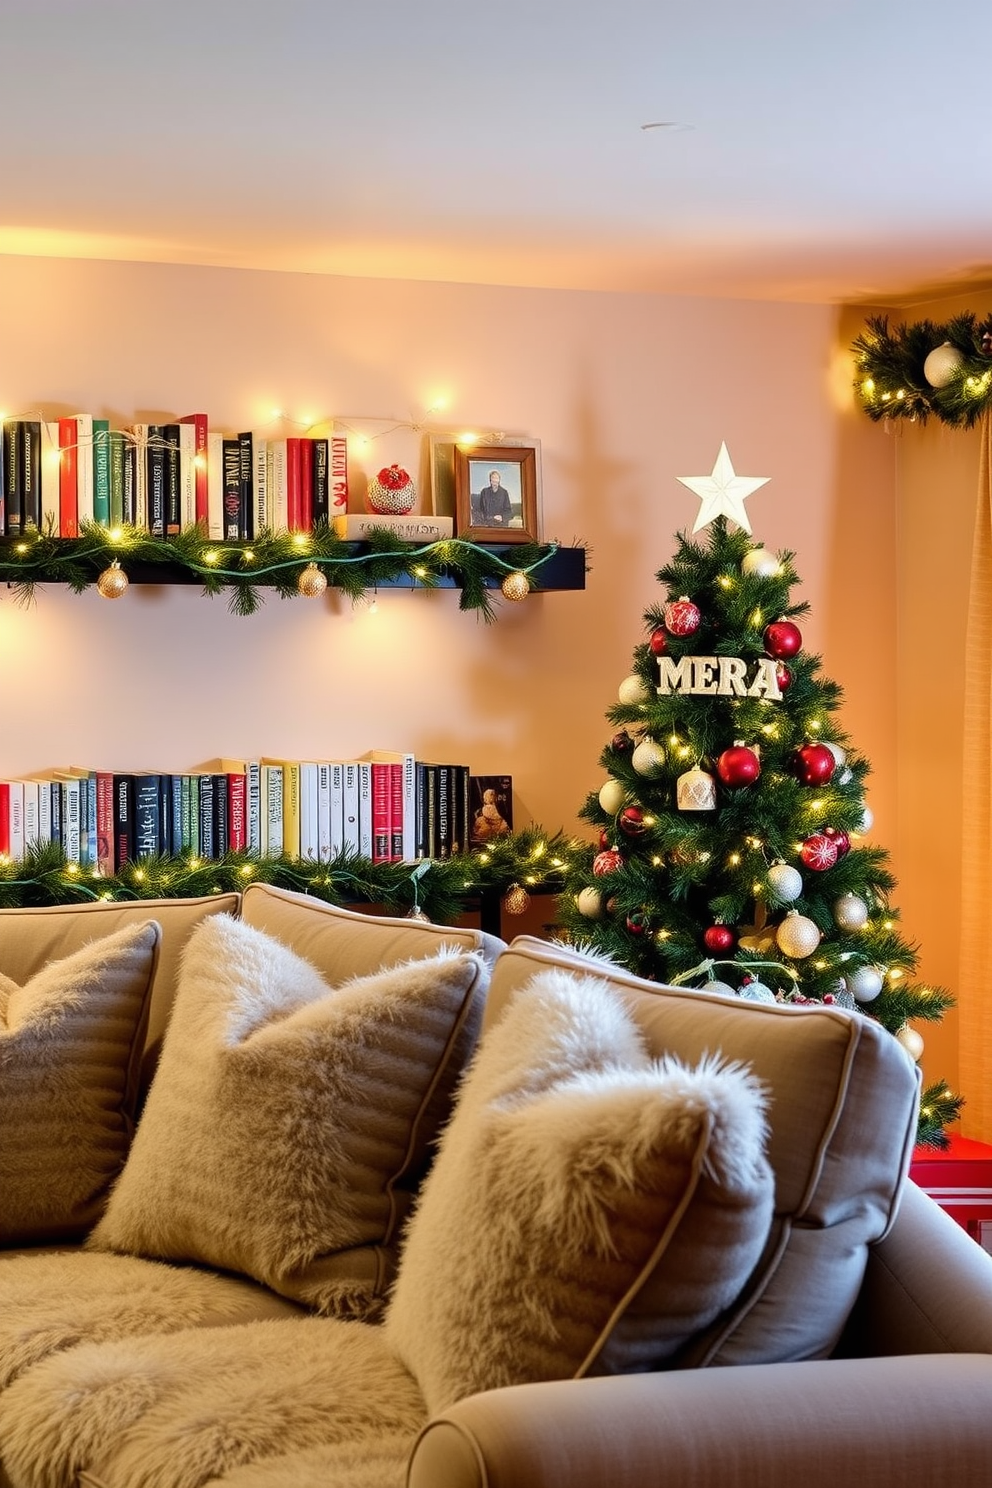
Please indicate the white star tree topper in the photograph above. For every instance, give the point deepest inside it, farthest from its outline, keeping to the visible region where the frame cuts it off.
(723, 493)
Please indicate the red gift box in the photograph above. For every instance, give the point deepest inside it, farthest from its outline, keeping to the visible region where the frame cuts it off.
(960, 1180)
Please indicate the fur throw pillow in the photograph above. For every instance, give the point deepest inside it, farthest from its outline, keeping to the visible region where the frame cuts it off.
(576, 1178)
(286, 1116)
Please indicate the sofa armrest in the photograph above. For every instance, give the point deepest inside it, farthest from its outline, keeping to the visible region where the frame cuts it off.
(887, 1422)
(927, 1288)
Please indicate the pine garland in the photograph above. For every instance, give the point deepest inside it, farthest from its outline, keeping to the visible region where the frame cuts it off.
(891, 384)
(272, 561)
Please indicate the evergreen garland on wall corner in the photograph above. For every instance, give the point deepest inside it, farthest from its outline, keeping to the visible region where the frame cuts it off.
(915, 371)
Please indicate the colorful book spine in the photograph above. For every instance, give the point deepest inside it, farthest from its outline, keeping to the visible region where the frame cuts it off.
(349, 805)
(232, 489)
(339, 474)
(84, 467)
(308, 811)
(200, 426)
(261, 517)
(246, 486)
(5, 818)
(337, 808)
(101, 471)
(68, 509)
(31, 480)
(382, 813)
(222, 815)
(323, 812)
(321, 481)
(187, 474)
(15, 820)
(51, 478)
(30, 790)
(146, 815)
(306, 485)
(205, 815)
(105, 863)
(272, 775)
(13, 473)
(123, 820)
(117, 443)
(237, 811)
(278, 485)
(130, 481)
(293, 505)
(365, 808)
(155, 465)
(253, 791)
(215, 486)
(173, 479)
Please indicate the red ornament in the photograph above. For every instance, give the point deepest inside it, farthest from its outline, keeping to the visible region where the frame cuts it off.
(393, 477)
(783, 677)
(738, 765)
(682, 617)
(819, 852)
(658, 642)
(718, 938)
(621, 743)
(637, 922)
(840, 840)
(631, 821)
(604, 839)
(782, 639)
(606, 862)
(813, 764)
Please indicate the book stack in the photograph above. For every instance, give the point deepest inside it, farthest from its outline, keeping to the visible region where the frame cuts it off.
(386, 806)
(58, 474)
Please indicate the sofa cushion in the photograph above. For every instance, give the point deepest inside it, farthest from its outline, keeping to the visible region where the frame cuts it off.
(192, 1407)
(575, 1175)
(286, 1113)
(71, 1040)
(31, 937)
(842, 1116)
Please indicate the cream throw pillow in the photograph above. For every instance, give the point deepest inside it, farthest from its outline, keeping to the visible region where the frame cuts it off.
(578, 1177)
(71, 1040)
(286, 1113)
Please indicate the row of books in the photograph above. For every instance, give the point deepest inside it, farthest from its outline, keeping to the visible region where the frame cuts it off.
(56, 474)
(386, 807)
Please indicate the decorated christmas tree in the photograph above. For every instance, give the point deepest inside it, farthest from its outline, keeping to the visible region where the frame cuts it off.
(731, 855)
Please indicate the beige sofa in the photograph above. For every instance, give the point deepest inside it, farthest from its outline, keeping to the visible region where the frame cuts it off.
(618, 1271)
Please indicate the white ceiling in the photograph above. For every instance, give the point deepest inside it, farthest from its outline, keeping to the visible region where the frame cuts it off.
(840, 150)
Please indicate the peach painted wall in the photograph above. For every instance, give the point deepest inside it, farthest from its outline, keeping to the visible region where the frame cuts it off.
(626, 392)
(937, 483)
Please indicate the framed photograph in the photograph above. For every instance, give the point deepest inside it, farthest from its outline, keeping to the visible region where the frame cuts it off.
(496, 492)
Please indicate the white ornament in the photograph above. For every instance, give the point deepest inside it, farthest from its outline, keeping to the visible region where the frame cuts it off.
(785, 883)
(797, 936)
(722, 493)
(864, 983)
(850, 912)
(611, 796)
(760, 564)
(911, 1041)
(719, 989)
(756, 992)
(695, 791)
(648, 758)
(867, 819)
(840, 758)
(590, 903)
(632, 690)
(942, 365)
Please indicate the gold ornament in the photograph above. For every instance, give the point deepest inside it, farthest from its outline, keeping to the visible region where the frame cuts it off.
(416, 913)
(311, 582)
(113, 581)
(515, 900)
(516, 585)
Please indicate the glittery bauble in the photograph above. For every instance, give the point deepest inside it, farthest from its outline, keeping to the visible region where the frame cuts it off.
(311, 582)
(515, 586)
(818, 852)
(632, 690)
(911, 1041)
(785, 882)
(783, 677)
(850, 912)
(113, 581)
(658, 642)
(813, 764)
(759, 563)
(607, 861)
(719, 989)
(631, 821)
(738, 765)
(754, 991)
(637, 922)
(797, 936)
(648, 758)
(611, 796)
(589, 902)
(718, 939)
(416, 913)
(392, 492)
(695, 791)
(621, 742)
(515, 900)
(864, 983)
(942, 365)
(782, 639)
(840, 840)
(682, 617)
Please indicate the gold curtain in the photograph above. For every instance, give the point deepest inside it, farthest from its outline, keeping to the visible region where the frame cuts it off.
(975, 982)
